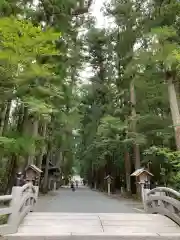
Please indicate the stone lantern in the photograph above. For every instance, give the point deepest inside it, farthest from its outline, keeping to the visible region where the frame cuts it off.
(32, 174)
(109, 179)
(143, 177)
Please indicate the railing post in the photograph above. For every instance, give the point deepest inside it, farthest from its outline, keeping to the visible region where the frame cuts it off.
(145, 188)
(54, 187)
(37, 191)
(36, 194)
(14, 217)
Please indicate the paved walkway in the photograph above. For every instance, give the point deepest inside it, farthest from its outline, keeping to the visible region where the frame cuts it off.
(83, 200)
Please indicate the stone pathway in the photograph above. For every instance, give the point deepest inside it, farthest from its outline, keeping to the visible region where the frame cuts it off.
(83, 200)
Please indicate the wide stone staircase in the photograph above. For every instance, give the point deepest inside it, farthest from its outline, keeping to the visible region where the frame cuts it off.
(47, 225)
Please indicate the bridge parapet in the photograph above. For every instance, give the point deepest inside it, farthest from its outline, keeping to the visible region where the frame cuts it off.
(21, 201)
(164, 201)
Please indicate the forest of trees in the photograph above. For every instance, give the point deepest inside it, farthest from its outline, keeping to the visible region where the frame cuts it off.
(123, 116)
(130, 108)
(40, 60)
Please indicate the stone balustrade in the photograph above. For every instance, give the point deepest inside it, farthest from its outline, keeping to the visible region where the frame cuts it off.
(21, 201)
(164, 201)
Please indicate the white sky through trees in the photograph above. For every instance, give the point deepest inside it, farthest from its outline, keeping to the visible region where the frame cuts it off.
(96, 11)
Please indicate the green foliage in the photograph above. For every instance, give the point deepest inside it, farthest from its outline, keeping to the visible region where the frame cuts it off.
(38, 81)
(141, 47)
(168, 160)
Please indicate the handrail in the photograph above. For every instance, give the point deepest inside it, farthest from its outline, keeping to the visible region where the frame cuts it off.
(22, 201)
(28, 185)
(164, 189)
(168, 206)
(5, 198)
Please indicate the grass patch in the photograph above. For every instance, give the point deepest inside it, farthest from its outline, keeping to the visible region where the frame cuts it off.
(3, 219)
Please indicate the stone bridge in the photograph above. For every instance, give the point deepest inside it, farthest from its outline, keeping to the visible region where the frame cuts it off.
(88, 214)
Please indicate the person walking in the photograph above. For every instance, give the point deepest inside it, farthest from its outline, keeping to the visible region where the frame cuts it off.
(72, 186)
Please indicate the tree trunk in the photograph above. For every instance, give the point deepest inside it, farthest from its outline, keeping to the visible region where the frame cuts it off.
(2, 117)
(46, 171)
(4, 121)
(40, 157)
(34, 127)
(59, 158)
(6, 118)
(128, 171)
(133, 114)
(11, 174)
(24, 121)
(174, 110)
(136, 150)
(12, 165)
(21, 118)
(29, 128)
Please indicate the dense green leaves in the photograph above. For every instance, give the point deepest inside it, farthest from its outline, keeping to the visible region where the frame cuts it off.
(40, 56)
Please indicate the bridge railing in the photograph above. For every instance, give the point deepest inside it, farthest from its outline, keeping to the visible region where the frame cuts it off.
(164, 201)
(21, 201)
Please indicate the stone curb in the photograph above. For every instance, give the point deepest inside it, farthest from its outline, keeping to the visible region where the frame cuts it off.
(132, 236)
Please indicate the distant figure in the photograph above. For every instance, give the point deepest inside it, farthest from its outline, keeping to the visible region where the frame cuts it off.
(72, 186)
(76, 183)
(84, 182)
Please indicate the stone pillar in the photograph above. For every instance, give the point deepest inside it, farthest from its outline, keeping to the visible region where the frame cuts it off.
(145, 188)
(109, 188)
(54, 186)
(13, 220)
(37, 191)
(36, 195)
